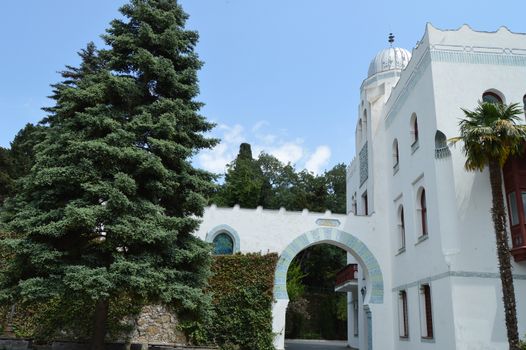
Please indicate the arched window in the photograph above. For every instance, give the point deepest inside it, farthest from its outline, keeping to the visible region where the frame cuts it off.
(441, 148)
(396, 155)
(223, 244)
(491, 97)
(414, 132)
(401, 229)
(423, 213)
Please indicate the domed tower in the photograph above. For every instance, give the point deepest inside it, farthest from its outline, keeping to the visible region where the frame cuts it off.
(389, 59)
(383, 74)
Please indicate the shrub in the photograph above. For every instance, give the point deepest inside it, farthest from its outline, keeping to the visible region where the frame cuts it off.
(241, 287)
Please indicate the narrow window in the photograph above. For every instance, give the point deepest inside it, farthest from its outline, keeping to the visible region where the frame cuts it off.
(414, 132)
(401, 229)
(426, 311)
(524, 104)
(415, 125)
(396, 156)
(514, 212)
(223, 244)
(491, 97)
(365, 204)
(423, 213)
(403, 320)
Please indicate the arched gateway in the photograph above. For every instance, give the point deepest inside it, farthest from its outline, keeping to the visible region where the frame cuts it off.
(287, 233)
(341, 239)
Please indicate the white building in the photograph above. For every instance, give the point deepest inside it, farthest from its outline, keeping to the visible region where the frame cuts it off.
(418, 224)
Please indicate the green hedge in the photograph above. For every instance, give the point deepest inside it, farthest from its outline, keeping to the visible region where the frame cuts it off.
(241, 286)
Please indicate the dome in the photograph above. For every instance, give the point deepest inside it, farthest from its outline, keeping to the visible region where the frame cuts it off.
(389, 59)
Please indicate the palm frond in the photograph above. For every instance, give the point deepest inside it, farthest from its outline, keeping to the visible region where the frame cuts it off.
(489, 133)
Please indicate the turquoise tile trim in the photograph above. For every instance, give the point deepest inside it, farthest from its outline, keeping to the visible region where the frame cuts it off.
(329, 234)
(502, 58)
(210, 235)
(465, 274)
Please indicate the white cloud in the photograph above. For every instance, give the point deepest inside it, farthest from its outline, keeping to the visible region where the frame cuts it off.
(290, 152)
(232, 135)
(275, 143)
(318, 159)
(259, 125)
(216, 159)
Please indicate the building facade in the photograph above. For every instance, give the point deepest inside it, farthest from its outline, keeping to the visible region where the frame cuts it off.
(418, 226)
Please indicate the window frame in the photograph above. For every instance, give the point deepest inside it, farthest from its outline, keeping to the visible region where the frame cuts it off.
(426, 304)
(403, 315)
(401, 230)
(492, 95)
(424, 224)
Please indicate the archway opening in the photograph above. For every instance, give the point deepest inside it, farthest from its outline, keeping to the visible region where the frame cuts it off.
(316, 309)
(370, 282)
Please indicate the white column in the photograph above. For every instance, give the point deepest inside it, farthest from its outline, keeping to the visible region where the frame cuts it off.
(279, 311)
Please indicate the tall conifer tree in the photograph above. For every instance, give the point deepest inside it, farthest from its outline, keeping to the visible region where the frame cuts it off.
(109, 206)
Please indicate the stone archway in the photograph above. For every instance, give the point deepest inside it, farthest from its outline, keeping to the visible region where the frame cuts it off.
(342, 239)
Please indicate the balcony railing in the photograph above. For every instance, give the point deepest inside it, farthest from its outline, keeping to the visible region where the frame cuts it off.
(348, 273)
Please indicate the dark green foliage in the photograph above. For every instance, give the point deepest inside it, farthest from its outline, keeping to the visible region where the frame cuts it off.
(244, 182)
(22, 148)
(242, 302)
(18, 160)
(268, 182)
(336, 188)
(316, 311)
(108, 206)
(6, 174)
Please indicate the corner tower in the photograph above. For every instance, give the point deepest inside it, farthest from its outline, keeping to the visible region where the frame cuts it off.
(383, 74)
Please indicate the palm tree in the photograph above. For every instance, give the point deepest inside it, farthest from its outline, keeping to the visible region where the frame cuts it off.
(490, 135)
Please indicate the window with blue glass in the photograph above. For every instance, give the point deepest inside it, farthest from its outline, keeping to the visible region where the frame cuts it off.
(223, 244)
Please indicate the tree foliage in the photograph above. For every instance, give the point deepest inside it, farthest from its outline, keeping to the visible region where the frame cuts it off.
(268, 182)
(109, 205)
(490, 135)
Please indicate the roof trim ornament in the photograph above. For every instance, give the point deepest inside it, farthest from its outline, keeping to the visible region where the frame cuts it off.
(391, 39)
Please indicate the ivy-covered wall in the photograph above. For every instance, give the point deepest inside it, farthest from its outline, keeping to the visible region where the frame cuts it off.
(241, 286)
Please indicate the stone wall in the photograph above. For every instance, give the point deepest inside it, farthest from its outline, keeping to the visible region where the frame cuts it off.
(156, 324)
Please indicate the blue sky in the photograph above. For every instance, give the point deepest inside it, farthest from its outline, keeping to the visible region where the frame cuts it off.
(283, 75)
